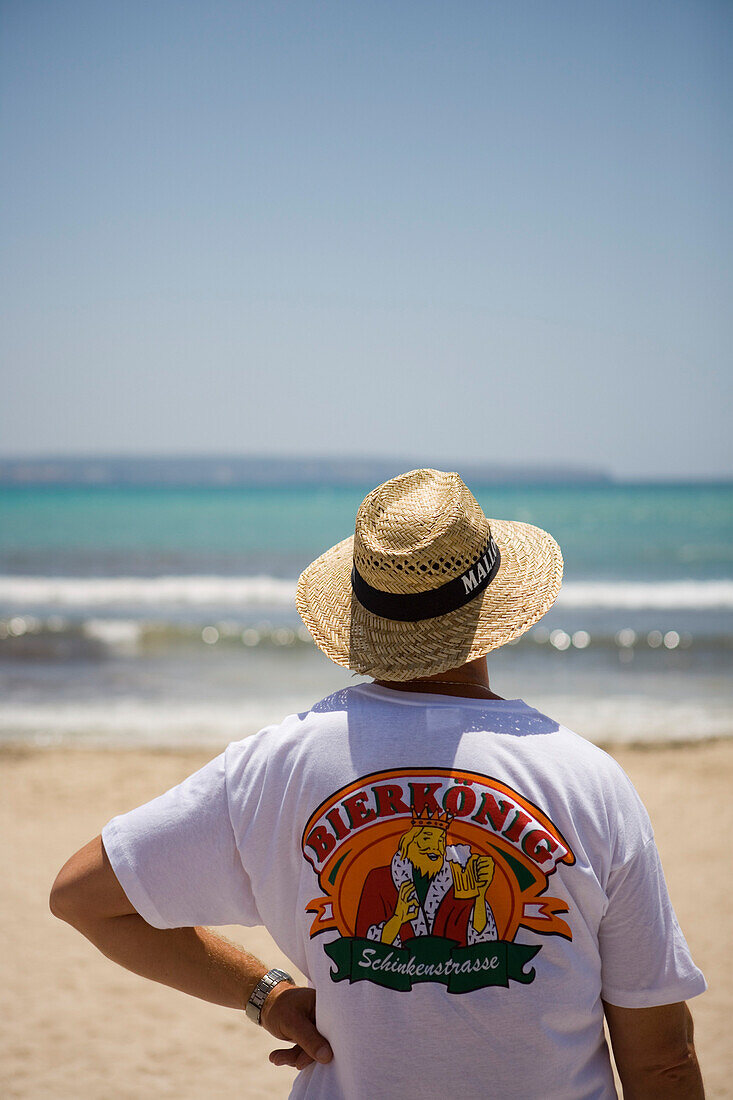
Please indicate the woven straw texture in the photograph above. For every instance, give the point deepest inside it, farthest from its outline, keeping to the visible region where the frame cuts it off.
(415, 533)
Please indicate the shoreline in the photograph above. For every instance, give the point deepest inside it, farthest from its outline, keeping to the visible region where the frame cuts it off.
(22, 746)
(74, 1020)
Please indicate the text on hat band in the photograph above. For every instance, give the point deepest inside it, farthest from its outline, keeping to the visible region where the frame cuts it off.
(412, 607)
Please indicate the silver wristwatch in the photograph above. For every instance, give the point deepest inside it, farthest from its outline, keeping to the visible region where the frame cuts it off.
(264, 987)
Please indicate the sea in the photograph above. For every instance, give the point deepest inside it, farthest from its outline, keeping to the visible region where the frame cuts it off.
(164, 617)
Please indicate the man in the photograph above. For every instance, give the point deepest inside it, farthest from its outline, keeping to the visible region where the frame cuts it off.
(296, 828)
(417, 895)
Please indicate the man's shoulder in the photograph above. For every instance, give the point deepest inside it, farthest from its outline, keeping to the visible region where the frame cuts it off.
(560, 738)
(294, 732)
(557, 757)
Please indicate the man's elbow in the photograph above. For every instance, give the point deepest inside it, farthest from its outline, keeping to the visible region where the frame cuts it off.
(655, 1052)
(673, 1075)
(65, 900)
(679, 1071)
(86, 889)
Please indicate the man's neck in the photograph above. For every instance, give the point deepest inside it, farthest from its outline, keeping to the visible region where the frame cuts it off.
(470, 680)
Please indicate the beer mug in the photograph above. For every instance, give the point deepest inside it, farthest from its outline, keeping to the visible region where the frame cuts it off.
(464, 879)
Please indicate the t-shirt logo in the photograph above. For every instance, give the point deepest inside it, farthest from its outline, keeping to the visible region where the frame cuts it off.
(427, 876)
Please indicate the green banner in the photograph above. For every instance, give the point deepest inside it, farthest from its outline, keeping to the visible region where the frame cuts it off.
(431, 959)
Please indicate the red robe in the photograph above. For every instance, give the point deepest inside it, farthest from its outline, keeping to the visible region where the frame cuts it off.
(379, 900)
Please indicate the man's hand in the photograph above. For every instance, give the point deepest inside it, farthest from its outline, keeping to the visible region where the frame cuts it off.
(483, 868)
(289, 1013)
(405, 909)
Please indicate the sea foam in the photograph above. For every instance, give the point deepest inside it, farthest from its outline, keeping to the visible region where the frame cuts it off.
(266, 591)
(184, 591)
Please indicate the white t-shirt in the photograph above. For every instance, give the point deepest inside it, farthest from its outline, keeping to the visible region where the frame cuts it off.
(461, 881)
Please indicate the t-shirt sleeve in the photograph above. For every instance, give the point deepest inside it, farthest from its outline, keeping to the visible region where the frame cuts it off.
(645, 960)
(176, 857)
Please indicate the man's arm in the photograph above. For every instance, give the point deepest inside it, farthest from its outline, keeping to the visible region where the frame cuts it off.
(654, 1052)
(87, 895)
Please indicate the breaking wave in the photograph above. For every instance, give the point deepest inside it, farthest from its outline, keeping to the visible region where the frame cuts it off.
(266, 591)
(191, 591)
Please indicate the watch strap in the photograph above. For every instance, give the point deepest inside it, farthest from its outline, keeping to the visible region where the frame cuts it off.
(262, 990)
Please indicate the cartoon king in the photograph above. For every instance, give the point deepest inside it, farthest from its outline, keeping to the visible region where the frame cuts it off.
(430, 889)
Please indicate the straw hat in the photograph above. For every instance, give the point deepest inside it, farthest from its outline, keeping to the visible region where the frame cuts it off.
(426, 582)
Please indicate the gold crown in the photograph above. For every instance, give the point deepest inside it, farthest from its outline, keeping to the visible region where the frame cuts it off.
(435, 821)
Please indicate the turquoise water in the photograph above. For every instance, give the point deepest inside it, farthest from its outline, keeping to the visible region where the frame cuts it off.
(611, 532)
(164, 616)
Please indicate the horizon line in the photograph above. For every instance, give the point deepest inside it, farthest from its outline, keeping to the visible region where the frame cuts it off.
(528, 470)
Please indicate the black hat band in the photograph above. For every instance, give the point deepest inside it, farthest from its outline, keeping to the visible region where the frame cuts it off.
(412, 607)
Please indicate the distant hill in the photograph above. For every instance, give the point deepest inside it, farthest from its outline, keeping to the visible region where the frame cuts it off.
(265, 471)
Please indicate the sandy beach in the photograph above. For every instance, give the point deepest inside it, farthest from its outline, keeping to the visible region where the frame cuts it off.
(75, 1024)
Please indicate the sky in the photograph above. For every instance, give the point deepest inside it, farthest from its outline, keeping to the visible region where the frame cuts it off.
(495, 232)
